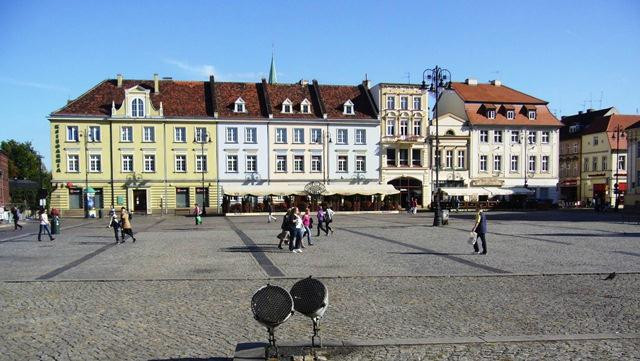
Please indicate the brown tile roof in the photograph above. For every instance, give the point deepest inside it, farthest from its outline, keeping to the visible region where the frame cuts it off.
(477, 116)
(610, 122)
(334, 97)
(278, 93)
(228, 93)
(583, 120)
(634, 125)
(488, 93)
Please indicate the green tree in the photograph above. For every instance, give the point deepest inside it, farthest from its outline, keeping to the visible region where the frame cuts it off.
(25, 163)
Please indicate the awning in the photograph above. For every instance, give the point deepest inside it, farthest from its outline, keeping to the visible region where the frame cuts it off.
(494, 191)
(361, 189)
(473, 191)
(261, 190)
(521, 190)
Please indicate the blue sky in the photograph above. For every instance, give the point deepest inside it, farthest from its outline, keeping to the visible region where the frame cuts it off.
(566, 52)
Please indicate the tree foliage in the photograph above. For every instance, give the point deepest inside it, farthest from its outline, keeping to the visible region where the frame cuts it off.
(25, 163)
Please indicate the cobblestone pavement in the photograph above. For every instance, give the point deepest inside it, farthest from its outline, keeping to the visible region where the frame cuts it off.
(183, 292)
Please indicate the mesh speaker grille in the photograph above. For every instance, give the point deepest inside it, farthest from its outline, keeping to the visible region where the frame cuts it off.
(309, 296)
(271, 305)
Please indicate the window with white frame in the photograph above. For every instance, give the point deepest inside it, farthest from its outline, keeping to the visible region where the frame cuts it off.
(316, 136)
(93, 133)
(343, 164)
(491, 113)
(391, 126)
(511, 114)
(181, 163)
(544, 137)
(461, 161)
(586, 164)
(281, 135)
(404, 103)
(232, 135)
(604, 162)
(298, 135)
(483, 163)
(416, 157)
(201, 163)
(532, 163)
(201, 135)
(448, 159)
(515, 137)
(298, 163)
(180, 135)
(497, 163)
(361, 136)
(544, 163)
(622, 162)
(281, 163)
(73, 163)
(391, 157)
(361, 163)
(514, 163)
(127, 163)
(594, 163)
(342, 136)
(126, 134)
(149, 163)
(240, 106)
(251, 164)
(404, 126)
(417, 126)
(532, 114)
(532, 137)
(137, 107)
(287, 106)
(95, 163)
(348, 108)
(391, 102)
(497, 136)
(403, 157)
(72, 133)
(148, 134)
(250, 135)
(417, 103)
(316, 163)
(595, 140)
(484, 136)
(232, 163)
(305, 107)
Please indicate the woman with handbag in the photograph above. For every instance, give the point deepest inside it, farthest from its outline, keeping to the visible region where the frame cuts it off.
(307, 223)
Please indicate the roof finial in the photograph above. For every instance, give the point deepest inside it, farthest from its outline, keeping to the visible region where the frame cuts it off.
(272, 70)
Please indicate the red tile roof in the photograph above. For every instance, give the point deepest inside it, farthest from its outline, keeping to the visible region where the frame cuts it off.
(228, 93)
(278, 93)
(334, 97)
(477, 116)
(488, 93)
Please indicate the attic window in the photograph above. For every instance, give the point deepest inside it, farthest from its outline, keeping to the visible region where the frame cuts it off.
(240, 106)
(287, 106)
(491, 114)
(532, 114)
(305, 107)
(348, 108)
(137, 107)
(511, 114)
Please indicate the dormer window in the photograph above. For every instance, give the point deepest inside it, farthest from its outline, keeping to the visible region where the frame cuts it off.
(348, 108)
(305, 107)
(240, 106)
(491, 114)
(137, 107)
(287, 106)
(511, 114)
(532, 115)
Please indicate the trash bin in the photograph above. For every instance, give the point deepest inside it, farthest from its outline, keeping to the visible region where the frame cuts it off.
(100, 213)
(55, 225)
(445, 216)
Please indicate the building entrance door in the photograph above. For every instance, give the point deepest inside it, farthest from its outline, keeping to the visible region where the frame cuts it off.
(409, 188)
(140, 200)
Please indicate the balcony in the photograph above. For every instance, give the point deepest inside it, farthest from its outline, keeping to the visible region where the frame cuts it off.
(403, 139)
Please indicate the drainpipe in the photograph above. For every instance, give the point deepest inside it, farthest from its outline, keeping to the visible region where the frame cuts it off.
(164, 134)
(111, 157)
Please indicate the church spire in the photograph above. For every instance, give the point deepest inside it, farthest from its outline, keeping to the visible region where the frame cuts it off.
(272, 71)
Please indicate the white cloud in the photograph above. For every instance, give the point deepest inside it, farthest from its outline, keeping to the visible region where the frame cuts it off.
(203, 70)
(33, 84)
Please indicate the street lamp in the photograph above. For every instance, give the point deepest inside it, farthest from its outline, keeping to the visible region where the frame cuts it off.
(202, 137)
(439, 79)
(619, 133)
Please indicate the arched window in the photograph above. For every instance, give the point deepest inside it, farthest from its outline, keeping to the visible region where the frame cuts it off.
(137, 108)
(450, 132)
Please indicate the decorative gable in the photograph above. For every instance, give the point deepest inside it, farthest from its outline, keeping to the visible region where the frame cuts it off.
(136, 104)
(347, 108)
(287, 106)
(240, 106)
(305, 106)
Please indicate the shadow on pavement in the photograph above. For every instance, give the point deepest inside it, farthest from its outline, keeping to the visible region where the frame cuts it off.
(434, 253)
(194, 359)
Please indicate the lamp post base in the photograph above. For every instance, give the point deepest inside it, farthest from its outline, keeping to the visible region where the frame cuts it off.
(437, 217)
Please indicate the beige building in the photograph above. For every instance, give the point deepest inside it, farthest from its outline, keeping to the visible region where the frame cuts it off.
(632, 197)
(403, 148)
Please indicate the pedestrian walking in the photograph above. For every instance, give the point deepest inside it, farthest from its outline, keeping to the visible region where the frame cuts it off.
(44, 224)
(197, 214)
(16, 218)
(115, 224)
(414, 205)
(285, 227)
(125, 218)
(269, 207)
(295, 243)
(307, 223)
(328, 219)
(480, 227)
(455, 203)
(320, 215)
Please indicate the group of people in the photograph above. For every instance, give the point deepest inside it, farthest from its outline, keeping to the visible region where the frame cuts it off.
(296, 225)
(121, 227)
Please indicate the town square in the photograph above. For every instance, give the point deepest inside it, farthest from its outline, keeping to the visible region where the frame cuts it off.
(222, 180)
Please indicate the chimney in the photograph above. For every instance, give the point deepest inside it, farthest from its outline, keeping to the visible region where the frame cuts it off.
(496, 82)
(119, 80)
(303, 82)
(579, 112)
(471, 81)
(156, 84)
(590, 110)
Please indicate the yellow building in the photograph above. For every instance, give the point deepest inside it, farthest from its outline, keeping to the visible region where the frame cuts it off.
(632, 197)
(149, 146)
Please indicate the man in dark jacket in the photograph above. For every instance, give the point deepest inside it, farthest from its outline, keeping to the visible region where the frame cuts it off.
(16, 217)
(480, 227)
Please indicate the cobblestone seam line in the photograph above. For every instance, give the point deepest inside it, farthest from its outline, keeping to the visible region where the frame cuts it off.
(20, 237)
(271, 269)
(427, 250)
(628, 253)
(517, 236)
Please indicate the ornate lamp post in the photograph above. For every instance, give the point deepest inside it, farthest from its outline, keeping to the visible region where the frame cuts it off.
(617, 135)
(439, 79)
(202, 137)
